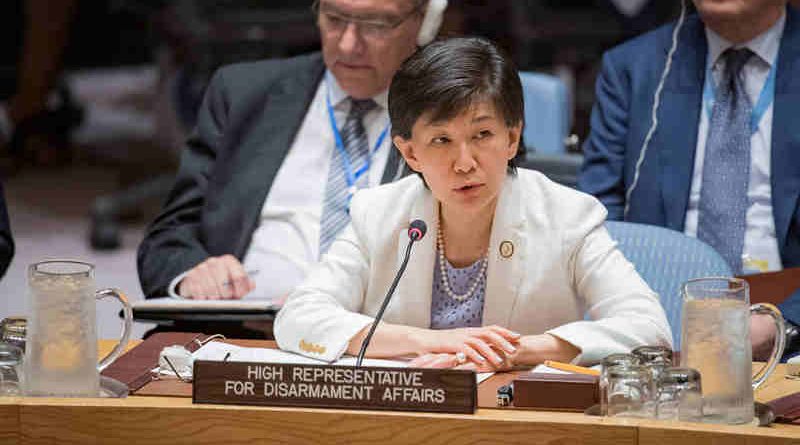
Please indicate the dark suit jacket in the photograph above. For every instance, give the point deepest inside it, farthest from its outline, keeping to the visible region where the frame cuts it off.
(6, 241)
(245, 127)
(621, 119)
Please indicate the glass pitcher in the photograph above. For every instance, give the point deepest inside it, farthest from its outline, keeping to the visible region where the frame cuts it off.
(715, 340)
(61, 347)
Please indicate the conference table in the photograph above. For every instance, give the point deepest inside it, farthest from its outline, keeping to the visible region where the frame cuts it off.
(176, 420)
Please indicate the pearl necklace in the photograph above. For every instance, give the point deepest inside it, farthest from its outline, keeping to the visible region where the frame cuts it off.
(443, 270)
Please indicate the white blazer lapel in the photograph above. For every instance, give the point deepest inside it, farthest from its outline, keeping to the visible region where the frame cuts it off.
(416, 285)
(507, 249)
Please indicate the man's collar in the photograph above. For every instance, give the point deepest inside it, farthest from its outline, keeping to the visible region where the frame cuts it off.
(764, 45)
(339, 96)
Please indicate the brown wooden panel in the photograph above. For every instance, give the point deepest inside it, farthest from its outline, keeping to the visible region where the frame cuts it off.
(9, 421)
(660, 435)
(178, 423)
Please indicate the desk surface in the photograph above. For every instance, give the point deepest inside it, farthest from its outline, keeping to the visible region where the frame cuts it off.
(171, 420)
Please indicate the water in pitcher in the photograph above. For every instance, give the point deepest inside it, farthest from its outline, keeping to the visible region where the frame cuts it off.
(714, 344)
(63, 361)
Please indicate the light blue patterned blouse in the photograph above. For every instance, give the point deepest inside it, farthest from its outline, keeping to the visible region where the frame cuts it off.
(447, 313)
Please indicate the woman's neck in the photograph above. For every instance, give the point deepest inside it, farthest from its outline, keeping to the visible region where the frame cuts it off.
(466, 236)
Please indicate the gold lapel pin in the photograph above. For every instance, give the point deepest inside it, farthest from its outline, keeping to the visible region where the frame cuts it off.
(506, 249)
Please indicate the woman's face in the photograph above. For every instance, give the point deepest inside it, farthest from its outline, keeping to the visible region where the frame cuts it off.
(464, 159)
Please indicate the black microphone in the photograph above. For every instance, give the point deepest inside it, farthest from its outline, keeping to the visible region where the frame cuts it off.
(416, 231)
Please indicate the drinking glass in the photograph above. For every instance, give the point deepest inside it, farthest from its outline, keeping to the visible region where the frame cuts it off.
(656, 359)
(605, 365)
(629, 391)
(679, 395)
(716, 341)
(10, 362)
(12, 331)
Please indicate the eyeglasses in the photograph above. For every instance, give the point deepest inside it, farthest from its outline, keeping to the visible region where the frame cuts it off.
(336, 23)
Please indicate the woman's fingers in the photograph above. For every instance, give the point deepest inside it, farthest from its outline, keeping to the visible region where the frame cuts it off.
(507, 334)
(485, 350)
(472, 355)
(500, 343)
(469, 366)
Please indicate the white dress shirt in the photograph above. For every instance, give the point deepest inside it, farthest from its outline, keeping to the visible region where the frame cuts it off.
(760, 252)
(285, 243)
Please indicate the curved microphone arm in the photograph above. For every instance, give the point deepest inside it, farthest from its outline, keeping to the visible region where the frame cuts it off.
(386, 300)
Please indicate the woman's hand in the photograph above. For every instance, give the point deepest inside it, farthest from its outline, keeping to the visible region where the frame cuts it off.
(484, 346)
(448, 360)
(531, 350)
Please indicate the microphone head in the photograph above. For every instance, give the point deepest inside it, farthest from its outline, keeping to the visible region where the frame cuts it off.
(417, 229)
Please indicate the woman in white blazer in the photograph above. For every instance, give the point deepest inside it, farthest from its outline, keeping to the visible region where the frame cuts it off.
(512, 261)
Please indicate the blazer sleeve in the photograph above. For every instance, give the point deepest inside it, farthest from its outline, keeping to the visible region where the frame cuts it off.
(172, 243)
(624, 312)
(321, 316)
(602, 173)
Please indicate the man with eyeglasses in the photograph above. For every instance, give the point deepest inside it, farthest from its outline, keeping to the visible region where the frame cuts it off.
(279, 148)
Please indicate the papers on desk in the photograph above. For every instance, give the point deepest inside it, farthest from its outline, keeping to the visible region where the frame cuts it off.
(218, 351)
(168, 304)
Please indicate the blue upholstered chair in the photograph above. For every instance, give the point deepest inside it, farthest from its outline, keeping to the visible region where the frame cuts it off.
(546, 113)
(666, 259)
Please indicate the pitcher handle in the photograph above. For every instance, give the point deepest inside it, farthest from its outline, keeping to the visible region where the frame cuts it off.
(126, 325)
(777, 348)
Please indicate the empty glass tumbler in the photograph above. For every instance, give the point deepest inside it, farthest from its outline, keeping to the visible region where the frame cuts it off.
(656, 359)
(629, 391)
(10, 364)
(680, 395)
(605, 365)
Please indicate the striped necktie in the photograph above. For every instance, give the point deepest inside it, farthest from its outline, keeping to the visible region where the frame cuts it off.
(726, 166)
(335, 209)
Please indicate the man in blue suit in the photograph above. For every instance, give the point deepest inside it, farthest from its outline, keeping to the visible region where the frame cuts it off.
(723, 161)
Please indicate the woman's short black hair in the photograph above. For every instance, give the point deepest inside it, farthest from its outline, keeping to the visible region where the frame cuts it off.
(446, 77)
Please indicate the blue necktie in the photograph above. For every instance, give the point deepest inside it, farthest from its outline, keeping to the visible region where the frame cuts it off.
(335, 215)
(726, 166)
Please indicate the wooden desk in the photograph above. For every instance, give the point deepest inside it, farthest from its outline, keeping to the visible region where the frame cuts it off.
(173, 421)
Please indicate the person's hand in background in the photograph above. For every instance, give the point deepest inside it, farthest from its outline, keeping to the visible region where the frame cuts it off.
(762, 336)
(217, 278)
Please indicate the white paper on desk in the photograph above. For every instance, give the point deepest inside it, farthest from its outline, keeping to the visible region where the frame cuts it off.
(169, 304)
(217, 351)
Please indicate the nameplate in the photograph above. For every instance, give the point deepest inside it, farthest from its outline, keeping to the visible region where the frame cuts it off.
(327, 386)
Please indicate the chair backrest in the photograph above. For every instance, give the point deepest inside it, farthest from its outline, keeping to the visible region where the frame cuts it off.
(666, 259)
(546, 112)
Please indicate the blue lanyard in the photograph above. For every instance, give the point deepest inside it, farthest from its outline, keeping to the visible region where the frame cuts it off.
(350, 176)
(765, 98)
